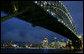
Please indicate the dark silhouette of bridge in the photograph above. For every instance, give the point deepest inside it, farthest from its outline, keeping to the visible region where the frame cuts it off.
(52, 15)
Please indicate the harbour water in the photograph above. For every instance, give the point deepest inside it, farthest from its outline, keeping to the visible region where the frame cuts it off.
(25, 50)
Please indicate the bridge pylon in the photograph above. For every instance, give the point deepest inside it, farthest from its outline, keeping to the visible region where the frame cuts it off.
(77, 44)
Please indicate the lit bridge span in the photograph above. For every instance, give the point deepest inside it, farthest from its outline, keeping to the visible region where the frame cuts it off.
(52, 15)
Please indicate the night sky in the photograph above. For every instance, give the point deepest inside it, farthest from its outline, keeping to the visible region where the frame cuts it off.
(19, 30)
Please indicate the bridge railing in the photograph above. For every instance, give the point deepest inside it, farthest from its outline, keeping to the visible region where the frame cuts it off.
(59, 11)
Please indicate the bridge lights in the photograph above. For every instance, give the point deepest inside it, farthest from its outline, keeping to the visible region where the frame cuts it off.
(67, 25)
(45, 3)
(59, 1)
(59, 20)
(49, 3)
(70, 29)
(47, 9)
(53, 4)
(62, 21)
(35, 1)
(52, 13)
(41, 5)
(61, 4)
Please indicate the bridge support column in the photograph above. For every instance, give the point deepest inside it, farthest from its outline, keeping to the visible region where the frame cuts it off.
(77, 44)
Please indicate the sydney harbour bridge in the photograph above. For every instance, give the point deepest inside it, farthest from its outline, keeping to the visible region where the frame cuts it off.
(52, 15)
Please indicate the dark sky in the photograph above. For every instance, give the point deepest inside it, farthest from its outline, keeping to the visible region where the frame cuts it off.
(76, 10)
(19, 30)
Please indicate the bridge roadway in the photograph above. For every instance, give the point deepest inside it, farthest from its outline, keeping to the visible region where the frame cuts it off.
(39, 17)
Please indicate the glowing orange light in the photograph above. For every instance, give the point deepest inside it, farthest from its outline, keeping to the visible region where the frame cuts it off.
(80, 36)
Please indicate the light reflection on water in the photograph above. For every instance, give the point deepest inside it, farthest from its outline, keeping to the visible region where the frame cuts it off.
(45, 51)
(7, 50)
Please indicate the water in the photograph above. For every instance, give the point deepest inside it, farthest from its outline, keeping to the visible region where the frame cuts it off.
(24, 50)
